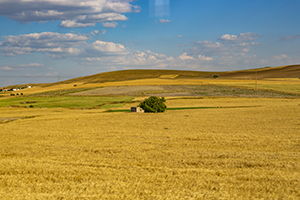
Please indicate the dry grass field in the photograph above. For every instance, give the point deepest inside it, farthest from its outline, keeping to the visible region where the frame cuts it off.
(248, 149)
(235, 142)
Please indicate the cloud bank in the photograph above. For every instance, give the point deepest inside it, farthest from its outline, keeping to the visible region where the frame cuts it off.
(71, 13)
(231, 52)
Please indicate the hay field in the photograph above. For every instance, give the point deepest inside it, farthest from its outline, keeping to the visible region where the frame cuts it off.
(291, 86)
(248, 152)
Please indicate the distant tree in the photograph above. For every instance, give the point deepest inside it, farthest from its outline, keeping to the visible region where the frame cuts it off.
(154, 104)
(215, 76)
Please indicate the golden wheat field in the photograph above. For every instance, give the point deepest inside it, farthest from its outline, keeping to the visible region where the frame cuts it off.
(248, 148)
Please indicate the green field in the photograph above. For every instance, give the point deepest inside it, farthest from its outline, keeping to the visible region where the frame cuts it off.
(65, 102)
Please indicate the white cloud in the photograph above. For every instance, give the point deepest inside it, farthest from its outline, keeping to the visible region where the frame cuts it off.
(205, 55)
(179, 36)
(95, 32)
(110, 25)
(163, 21)
(136, 8)
(74, 24)
(54, 44)
(6, 68)
(100, 48)
(201, 57)
(209, 48)
(32, 65)
(241, 38)
(72, 13)
(280, 57)
(184, 56)
(229, 45)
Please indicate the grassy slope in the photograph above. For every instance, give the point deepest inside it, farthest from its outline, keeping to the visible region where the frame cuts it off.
(63, 102)
(126, 75)
(152, 77)
(292, 71)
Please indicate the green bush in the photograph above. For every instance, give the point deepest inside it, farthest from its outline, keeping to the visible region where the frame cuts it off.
(154, 104)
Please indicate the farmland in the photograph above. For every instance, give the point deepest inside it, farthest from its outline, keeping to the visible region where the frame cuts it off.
(244, 145)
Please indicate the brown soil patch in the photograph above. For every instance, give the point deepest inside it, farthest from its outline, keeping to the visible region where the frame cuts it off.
(119, 90)
(180, 90)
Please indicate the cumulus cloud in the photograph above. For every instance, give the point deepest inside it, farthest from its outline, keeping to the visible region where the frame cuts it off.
(204, 55)
(280, 57)
(163, 21)
(201, 57)
(74, 24)
(110, 25)
(95, 32)
(5, 68)
(56, 45)
(184, 56)
(228, 45)
(53, 44)
(72, 13)
(241, 38)
(209, 48)
(102, 49)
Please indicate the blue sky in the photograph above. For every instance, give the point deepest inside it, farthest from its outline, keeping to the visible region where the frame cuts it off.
(41, 39)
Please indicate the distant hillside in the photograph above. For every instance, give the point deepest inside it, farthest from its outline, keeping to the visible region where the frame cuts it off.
(291, 71)
(125, 75)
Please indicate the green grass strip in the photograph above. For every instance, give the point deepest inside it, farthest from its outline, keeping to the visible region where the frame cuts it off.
(125, 110)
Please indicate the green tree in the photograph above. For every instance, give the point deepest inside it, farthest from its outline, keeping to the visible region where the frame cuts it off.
(154, 104)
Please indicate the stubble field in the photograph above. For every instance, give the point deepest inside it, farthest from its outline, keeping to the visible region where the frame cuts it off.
(248, 148)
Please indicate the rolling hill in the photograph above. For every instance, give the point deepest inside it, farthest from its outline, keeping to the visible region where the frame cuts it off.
(291, 71)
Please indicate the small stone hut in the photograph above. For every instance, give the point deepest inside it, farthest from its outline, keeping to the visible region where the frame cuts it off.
(137, 109)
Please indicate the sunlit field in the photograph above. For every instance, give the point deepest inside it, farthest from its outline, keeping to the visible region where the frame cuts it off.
(282, 85)
(247, 148)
